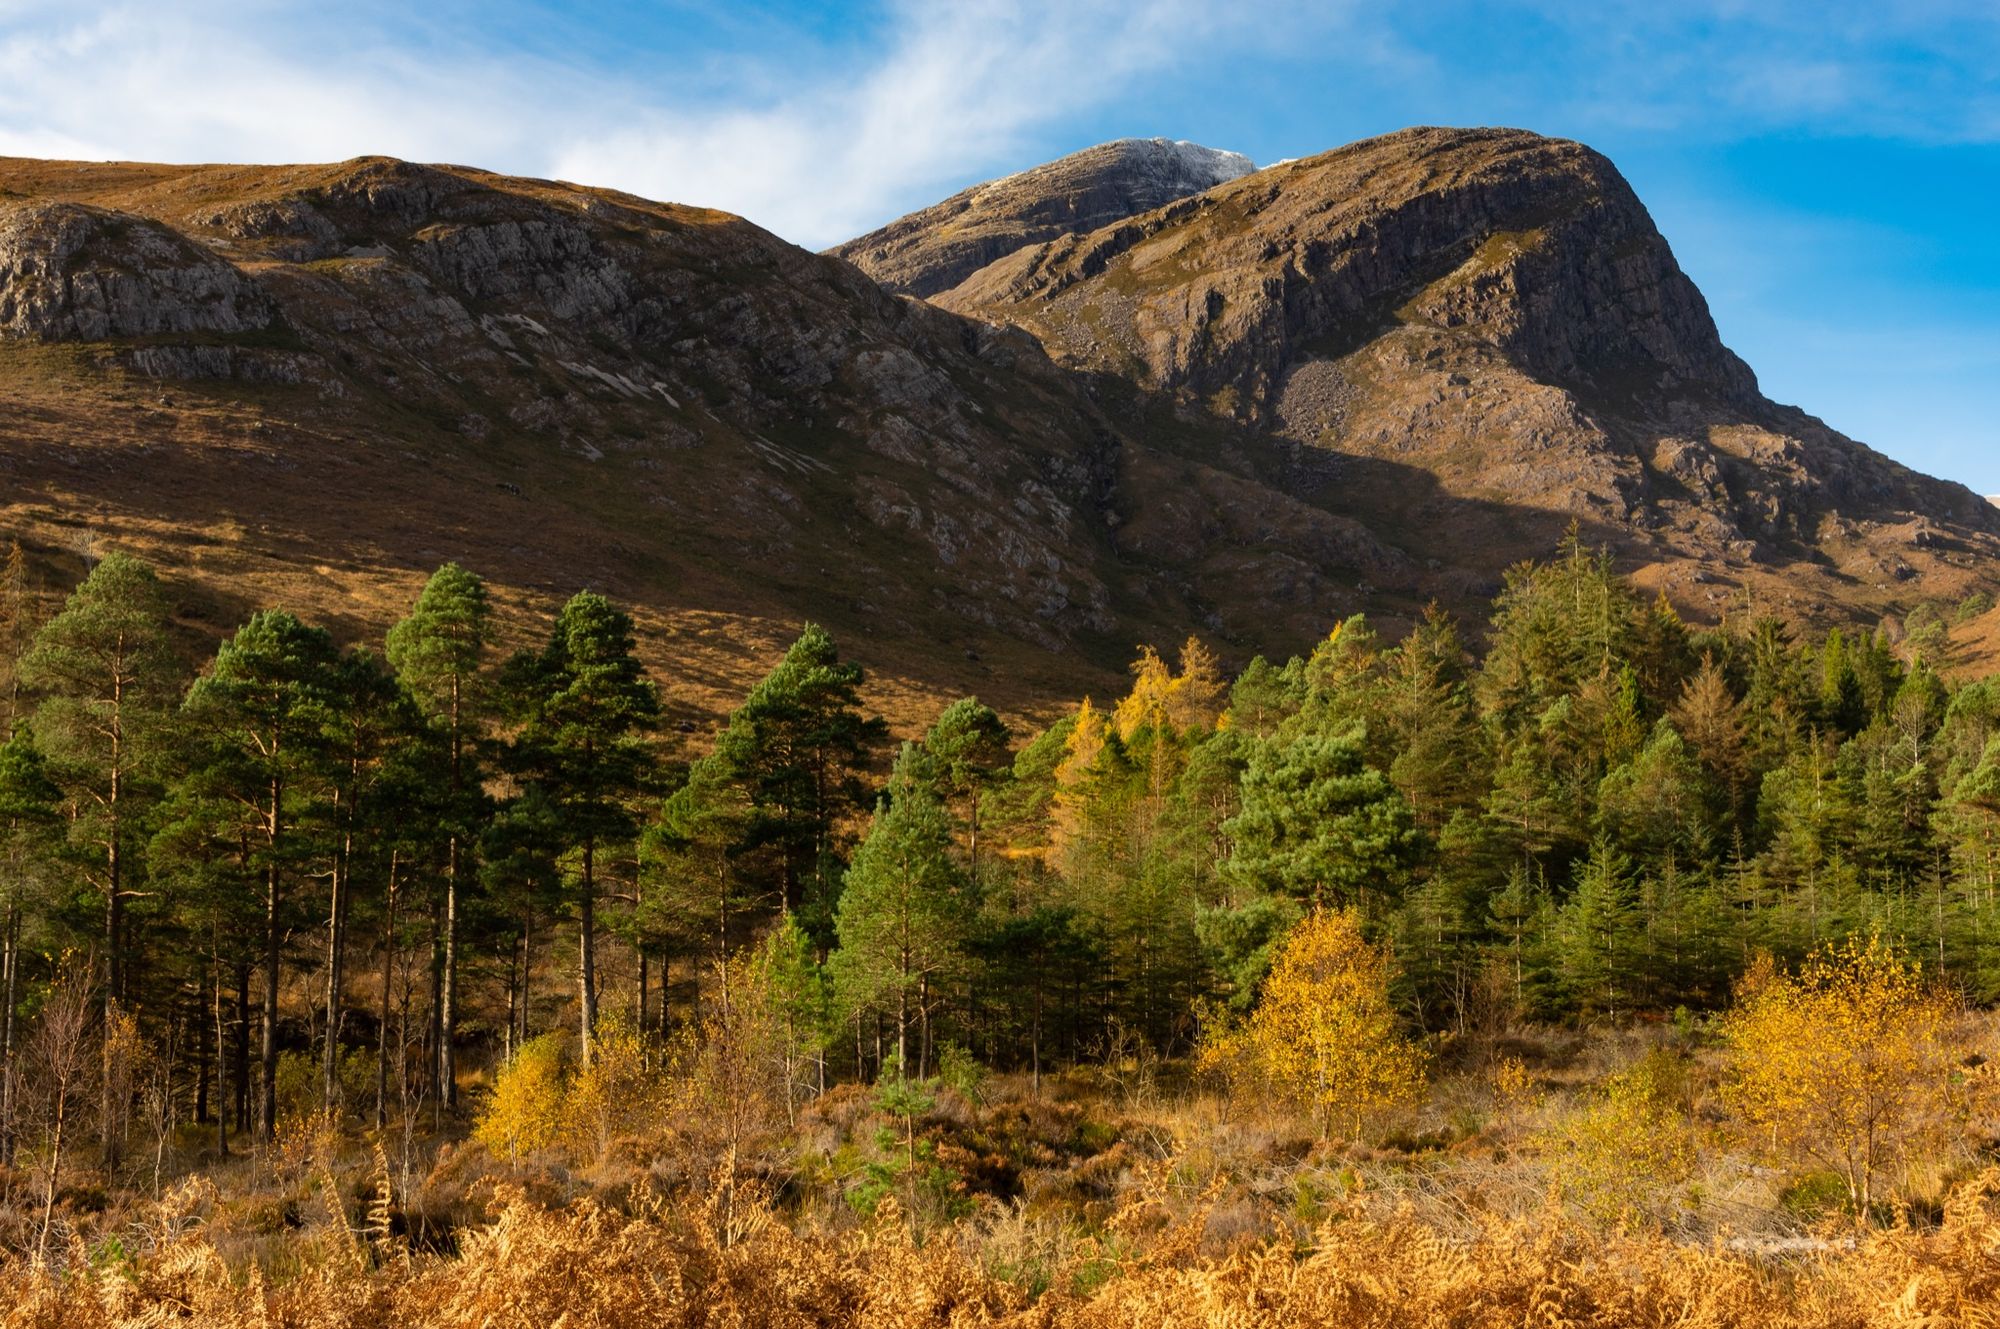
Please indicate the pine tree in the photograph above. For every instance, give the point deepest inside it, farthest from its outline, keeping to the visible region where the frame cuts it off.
(258, 721)
(966, 749)
(371, 733)
(107, 676)
(903, 916)
(1319, 825)
(800, 748)
(437, 652)
(585, 706)
(30, 832)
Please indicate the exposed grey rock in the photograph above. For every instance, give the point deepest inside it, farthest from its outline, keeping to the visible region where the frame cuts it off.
(70, 272)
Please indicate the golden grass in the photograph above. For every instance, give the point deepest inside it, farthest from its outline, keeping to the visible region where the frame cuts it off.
(728, 1260)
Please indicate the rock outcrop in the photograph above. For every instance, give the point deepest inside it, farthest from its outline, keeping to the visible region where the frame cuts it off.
(74, 273)
(935, 249)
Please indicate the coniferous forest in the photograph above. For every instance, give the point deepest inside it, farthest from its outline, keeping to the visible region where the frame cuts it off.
(336, 956)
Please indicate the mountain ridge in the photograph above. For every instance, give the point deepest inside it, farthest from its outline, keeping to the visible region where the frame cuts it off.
(564, 386)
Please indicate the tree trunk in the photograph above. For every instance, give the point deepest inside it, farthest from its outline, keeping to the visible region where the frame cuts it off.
(527, 971)
(447, 1056)
(336, 954)
(513, 997)
(447, 1048)
(267, 1059)
(644, 992)
(221, 1062)
(113, 884)
(587, 946)
(903, 1030)
(10, 993)
(388, 977)
(242, 1086)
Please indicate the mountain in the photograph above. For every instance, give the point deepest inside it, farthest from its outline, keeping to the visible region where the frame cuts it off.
(1466, 329)
(308, 385)
(937, 248)
(1361, 381)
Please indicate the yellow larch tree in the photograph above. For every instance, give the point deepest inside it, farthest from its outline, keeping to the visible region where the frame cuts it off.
(1199, 695)
(1147, 705)
(1845, 1065)
(1323, 1035)
(1087, 736)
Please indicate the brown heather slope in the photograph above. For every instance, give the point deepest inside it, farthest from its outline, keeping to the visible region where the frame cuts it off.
(1473, 329)
(309, 385)
(1357, 382)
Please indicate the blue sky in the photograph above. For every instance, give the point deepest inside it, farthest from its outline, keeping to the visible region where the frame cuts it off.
(1829, 173)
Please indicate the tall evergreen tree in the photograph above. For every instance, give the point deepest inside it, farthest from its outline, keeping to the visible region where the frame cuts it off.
(30, 830)
(1597, 934)
(259, 719)
(1319, 825)
(903, 918)
(799, 747)
(107, 676)
(437, 652)
(966, 750)
(586, 706)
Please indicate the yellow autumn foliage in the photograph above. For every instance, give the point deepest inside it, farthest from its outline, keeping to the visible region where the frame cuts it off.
(525, 1113)
(703, 1262)
(1629, 1153)
(1845, 1065)
(1190, 700)
(1323, 1035)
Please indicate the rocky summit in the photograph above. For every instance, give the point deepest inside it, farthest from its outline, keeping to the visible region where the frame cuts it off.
(1151, 391)
(939, 247)
(1464, 330)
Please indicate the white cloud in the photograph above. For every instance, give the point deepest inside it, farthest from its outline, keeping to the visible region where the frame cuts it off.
(953, 89)
(958, 88)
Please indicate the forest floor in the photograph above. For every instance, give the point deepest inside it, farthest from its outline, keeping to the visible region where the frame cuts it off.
(1583, 1176)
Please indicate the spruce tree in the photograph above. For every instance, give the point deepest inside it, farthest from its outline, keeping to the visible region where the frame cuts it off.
(1597, 934)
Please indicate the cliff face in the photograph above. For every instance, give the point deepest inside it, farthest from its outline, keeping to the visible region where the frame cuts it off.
(935, 249)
